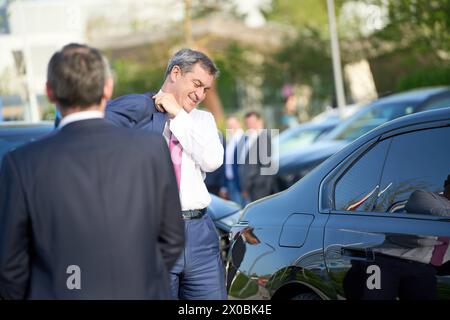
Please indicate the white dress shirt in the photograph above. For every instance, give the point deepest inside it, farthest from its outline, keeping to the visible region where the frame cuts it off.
(78, 116)
(202, 152)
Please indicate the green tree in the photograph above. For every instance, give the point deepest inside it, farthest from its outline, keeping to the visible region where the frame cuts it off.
(418, 24)
(306, 60)
(413, 48)
(311, 14)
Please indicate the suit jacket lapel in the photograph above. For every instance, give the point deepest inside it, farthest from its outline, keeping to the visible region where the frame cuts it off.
(159, 120)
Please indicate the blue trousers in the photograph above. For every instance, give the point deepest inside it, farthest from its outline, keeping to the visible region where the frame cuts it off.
(199, 273)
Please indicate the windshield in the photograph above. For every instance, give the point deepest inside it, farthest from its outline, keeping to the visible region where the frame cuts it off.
(368, 119)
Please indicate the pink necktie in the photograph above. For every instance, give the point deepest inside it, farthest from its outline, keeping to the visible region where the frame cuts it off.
(176, 152)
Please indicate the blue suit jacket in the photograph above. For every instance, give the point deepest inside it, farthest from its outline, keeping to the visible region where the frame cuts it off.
(136, 111)
(133, 111)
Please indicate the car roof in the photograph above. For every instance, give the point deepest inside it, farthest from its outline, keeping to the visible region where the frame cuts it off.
(416, 95)
(24, 124)
(312, 125)
(413, 119)
(16, 129)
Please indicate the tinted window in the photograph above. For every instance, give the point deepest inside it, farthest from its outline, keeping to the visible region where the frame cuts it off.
(416, 161)
(358, 188)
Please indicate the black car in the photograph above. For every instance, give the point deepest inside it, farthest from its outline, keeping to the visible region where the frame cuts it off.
(323, 237)
(296, 164)
(223, 213)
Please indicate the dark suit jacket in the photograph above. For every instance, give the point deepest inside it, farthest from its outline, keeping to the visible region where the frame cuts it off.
(257, 157)
(96, 196)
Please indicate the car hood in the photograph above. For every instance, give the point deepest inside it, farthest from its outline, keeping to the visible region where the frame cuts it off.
(220, 208)
(305, 157)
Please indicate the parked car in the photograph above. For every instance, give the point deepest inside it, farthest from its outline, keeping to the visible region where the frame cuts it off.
(303, 135)
(294, 165)
(317, 239)
(334, 113)
(14, 134)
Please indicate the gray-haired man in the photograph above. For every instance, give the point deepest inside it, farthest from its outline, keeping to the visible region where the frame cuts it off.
(195, 149)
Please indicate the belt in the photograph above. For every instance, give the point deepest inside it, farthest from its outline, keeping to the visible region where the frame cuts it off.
(193, 214)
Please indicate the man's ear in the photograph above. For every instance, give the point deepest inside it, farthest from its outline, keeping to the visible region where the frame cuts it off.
(175, 73)
(49, 92)
(108, 89)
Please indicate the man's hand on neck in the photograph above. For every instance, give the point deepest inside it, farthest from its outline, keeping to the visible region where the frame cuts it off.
(165, 102)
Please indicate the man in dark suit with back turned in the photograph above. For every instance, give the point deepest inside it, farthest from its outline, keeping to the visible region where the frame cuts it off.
(91, 211)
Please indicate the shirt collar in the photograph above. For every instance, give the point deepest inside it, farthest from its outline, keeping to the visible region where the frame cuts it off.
(82, 115)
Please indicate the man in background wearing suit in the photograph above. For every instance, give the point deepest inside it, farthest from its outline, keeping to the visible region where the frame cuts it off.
(81, 215)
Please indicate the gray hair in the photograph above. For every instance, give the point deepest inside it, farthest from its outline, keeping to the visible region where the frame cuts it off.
(187, 58)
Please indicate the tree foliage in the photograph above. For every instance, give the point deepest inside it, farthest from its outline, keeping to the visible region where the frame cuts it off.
(419, 24)
(310, 14)
(306, 60)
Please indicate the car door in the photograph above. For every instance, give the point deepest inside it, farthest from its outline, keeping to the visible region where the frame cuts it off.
(377, 245)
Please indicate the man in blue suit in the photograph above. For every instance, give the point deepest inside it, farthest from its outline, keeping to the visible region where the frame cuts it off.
(196, 149)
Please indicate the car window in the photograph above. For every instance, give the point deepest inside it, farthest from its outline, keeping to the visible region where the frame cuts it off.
(369, 119)
(419, 163)
(443, 102)
(358, 188)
